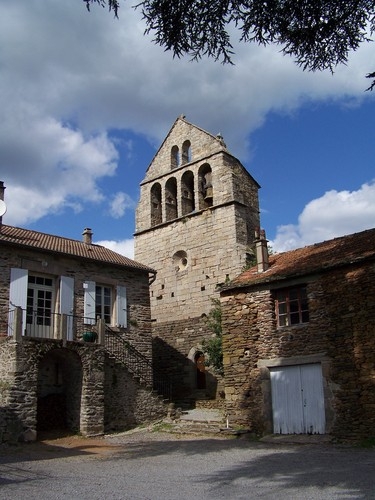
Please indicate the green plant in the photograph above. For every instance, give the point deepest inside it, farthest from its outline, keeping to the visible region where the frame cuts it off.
(162, 427)
(213, 347)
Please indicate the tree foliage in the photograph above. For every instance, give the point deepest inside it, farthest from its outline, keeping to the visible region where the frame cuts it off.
(213, 347)
(318, 34)
(113, 5)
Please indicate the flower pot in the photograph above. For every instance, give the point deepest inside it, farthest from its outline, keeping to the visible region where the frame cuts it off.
(89, 336)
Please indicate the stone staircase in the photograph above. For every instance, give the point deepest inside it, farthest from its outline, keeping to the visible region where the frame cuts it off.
(198, 421)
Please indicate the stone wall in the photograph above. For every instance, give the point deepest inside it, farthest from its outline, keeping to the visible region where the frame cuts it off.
(45, 386)
(340, 336)
(213, 255)
(26, 382)
(127, 402)
(175, 344)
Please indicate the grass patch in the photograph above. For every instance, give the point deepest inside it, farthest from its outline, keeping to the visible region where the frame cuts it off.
(162, 427)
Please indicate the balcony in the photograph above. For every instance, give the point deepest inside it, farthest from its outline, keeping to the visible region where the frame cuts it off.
(27, 323)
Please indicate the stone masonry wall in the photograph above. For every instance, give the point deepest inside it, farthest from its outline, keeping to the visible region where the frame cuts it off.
(203, 145)
(340, 335)
(127, 402)
(175, 344)
(20, 363)
(213, 256)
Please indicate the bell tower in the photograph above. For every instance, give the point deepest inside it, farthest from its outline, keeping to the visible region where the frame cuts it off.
(195, 225)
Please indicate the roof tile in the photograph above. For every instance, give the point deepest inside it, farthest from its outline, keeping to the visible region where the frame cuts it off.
(310, 259)
(35, 240)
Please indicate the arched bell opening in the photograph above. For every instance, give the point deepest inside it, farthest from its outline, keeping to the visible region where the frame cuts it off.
(187, 193)
(206, 193)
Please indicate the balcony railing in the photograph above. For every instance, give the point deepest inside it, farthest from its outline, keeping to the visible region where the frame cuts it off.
(34, 323)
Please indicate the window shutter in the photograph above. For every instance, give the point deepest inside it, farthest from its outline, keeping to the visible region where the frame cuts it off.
(89, 302)
(17, 295)
(121, 307)
(67, 302)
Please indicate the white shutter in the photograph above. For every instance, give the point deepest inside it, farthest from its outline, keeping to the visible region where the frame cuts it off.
(17, 295)
(121, 307)
(89, 302)
(67, 302)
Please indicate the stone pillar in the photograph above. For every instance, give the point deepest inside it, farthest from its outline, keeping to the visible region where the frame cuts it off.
(101, 332)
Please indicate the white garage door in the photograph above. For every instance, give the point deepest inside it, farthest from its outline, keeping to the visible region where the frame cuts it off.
(297, 399)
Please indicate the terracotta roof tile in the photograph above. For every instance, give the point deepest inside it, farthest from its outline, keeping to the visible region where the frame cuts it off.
(311, 259)
(34, 240)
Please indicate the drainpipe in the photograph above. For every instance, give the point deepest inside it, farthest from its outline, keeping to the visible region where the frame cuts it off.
(2, 209)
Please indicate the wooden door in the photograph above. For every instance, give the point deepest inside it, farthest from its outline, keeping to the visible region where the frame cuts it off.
(201, 371)
(297, 399)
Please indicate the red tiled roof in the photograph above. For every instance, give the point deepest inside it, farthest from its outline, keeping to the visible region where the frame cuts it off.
(315, 258)
(34, 240)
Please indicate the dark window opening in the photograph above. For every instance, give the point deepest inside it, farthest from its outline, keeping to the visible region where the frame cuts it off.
(291, 306)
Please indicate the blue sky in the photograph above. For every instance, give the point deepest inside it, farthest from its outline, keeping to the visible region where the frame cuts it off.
(86, 100)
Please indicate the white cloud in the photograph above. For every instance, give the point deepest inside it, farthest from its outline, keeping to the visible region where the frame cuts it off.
(120, 202)
(69, 76)
(124, 247)
(334, 214)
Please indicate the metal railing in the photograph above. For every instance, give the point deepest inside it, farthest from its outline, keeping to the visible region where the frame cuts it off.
(137, 363)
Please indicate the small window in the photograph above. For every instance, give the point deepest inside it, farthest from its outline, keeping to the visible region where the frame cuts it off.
(103, 303)
(291, 306)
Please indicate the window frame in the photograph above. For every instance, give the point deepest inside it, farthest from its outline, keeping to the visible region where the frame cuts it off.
(291, 306)
(104, 310)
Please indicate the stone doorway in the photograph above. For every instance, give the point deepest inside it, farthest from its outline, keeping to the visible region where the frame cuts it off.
(59, 390)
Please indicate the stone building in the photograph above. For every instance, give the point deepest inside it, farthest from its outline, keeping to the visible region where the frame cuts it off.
(299, 340)
(75, 337)
(195, 222)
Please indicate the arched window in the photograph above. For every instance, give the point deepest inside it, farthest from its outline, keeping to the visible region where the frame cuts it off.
(206, 194)
(171, 199)
(175, 157)
(186, 152)
(156, 211)
(187, 193)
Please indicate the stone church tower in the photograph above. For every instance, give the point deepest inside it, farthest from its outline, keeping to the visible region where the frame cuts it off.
(195, 224)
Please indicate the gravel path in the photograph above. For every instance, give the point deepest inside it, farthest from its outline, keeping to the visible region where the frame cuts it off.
(146, 465)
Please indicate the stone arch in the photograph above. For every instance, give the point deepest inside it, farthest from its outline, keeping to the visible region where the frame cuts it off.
(59, 391)
(206, 193)
(187, 193)
(171, 199)
(156, 207)
(175, 157)
(186, 152)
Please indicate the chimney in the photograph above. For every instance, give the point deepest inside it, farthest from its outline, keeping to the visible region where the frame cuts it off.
(261, 250)
(87, 236)
(3, 206)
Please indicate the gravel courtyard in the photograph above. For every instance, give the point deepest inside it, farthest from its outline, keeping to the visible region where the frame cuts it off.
(147, 465)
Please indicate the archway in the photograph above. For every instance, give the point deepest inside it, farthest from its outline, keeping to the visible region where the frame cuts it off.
(59, 392)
